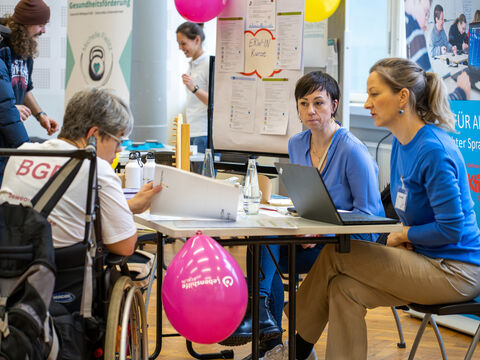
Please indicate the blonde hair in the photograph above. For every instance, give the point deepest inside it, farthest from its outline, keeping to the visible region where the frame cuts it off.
(428, 94)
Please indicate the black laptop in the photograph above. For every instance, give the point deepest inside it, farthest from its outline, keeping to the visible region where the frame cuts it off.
(312, 201)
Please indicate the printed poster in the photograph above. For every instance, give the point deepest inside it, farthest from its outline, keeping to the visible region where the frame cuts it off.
(99, 46)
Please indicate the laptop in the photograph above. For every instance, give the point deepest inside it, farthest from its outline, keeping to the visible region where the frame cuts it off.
(474, 52)
(312, 201)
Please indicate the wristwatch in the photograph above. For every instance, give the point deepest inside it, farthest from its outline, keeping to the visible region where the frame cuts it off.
(40, 114)
(195, 89)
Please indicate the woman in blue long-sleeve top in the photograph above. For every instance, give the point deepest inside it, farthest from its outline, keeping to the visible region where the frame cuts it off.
(350, 175)
(435, 258)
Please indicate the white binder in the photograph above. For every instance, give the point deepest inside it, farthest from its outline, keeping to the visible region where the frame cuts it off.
(187, 194)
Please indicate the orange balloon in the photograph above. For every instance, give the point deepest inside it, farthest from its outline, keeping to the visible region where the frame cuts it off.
(318, 10)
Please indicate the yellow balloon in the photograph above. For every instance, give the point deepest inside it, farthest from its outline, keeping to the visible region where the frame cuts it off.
(318, 10)
(115, 162)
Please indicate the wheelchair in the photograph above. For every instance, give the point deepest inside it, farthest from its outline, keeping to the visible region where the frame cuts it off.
(98, 311)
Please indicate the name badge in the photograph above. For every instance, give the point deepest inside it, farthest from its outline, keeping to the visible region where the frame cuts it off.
(401, 201)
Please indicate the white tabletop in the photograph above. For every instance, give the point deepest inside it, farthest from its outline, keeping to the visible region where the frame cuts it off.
(256, 225)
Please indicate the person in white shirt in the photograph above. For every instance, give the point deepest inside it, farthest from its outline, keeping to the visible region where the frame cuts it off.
(190, 37)
(90, 112)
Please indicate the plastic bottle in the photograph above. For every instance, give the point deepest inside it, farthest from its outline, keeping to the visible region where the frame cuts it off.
(207, 168)
(251, 190)
(149, 168)
(133, 171)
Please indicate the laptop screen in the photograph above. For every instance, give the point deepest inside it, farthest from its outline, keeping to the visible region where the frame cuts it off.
(474, 45)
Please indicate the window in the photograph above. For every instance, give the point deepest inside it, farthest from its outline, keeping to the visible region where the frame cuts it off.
(368, 25)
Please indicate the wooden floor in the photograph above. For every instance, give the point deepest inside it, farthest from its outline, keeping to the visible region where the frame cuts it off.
(382, 333)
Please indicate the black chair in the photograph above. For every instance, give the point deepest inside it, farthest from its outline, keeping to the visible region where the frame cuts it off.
(464, 308)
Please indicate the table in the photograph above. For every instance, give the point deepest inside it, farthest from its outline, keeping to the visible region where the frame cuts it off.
(255, 235)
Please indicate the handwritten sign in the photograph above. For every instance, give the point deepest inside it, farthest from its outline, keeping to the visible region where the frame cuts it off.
(260, 48)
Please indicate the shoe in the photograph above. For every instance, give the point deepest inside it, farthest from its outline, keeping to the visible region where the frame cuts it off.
(268, 326)
(280, 352)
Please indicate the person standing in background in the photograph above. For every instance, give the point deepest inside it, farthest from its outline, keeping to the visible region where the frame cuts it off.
(12, 130)
(190, 37)
(26, 24)
(457, 35)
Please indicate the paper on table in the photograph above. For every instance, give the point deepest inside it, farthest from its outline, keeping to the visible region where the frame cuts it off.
(280, 202)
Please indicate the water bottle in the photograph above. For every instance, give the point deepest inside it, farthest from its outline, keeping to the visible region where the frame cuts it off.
(133, 171)
(149, 168)
(207, 168)
(251, 190)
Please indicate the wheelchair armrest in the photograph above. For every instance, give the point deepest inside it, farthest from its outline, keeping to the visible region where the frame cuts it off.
(113, 259)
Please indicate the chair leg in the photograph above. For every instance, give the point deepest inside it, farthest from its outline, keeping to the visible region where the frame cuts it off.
(473, 344)
(224, 354)
(439, 338)
(420, 331)
(401, 343)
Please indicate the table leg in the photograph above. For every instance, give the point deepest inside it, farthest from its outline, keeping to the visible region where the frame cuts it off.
(291, 300)
(160, 261)
(255, 300)
(343, 243)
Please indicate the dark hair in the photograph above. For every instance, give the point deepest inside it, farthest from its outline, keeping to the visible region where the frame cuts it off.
(460, 19)
(428, 94)
(476, 17)
(317, 80)
(437, 11)
(191, 30)
(20, 40)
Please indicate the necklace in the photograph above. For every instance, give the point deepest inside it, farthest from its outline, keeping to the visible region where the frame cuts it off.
(322, 157)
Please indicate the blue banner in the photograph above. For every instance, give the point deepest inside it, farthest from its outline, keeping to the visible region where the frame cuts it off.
(467, 139)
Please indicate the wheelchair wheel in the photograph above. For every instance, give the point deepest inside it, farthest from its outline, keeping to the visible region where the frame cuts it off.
(126, 336)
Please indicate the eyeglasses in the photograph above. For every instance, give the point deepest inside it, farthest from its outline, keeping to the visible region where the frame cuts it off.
(116, 138)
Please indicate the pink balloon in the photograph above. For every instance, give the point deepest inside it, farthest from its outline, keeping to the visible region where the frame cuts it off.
(199, 10)
(204, 292)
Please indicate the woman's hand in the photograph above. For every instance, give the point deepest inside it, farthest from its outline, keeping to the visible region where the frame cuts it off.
(188, 81)
(141, 202)
(398, 239)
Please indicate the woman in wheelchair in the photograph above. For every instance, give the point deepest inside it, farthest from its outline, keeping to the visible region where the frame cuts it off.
(351, 176)
(92, 112)
(436, 258)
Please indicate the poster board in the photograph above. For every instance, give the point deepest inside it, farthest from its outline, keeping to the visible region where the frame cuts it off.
(99, 46)
(259, 58)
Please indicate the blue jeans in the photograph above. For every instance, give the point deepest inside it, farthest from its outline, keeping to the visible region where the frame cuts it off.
(272, 285)
(201, 142)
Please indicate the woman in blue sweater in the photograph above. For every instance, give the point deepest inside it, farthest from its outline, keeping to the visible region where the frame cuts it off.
(350, 174)
(436, 257)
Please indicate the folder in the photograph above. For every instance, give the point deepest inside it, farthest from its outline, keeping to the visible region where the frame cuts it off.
(188, 194)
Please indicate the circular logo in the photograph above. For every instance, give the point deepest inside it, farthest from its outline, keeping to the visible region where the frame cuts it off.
(227, 281)
(96, 60)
